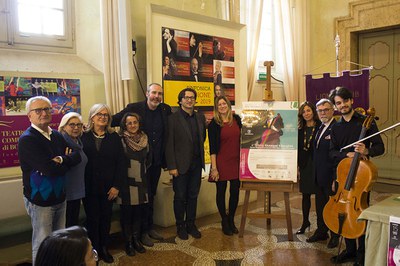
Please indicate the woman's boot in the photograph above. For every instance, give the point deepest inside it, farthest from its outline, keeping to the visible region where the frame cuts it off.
(225, 226)
(129, 249)
(136, 243)
(231, 221)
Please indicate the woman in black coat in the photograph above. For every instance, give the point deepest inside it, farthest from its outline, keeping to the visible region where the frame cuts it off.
(104, 172)
(308, 127)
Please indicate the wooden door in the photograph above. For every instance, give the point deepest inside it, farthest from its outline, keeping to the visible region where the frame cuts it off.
(382, 51)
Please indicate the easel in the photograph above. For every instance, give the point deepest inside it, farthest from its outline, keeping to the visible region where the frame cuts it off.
(267, 187)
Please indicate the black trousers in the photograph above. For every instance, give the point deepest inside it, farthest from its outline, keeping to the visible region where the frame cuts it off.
(72, 213)
(186, 188)
(233, 196)
(153, 176)
(98, 219)
(131, 219)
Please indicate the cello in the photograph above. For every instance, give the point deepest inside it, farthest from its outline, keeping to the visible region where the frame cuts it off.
(355, 178)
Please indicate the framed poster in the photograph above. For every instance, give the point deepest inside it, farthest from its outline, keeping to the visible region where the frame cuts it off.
(64, 95)
(190, 50)
(269, 141)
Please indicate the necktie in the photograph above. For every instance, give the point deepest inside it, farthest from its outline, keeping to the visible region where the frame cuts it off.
(319, 133)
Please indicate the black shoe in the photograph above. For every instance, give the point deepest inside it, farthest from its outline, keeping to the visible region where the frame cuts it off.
(181, 232)
(343, 257)
(333, 242)
(231, 222)
(129, 249)
(303, 228)
(317, 237)
(226, 229)
(137, 245)
(359, 260)
(105, 255)
(193, 231)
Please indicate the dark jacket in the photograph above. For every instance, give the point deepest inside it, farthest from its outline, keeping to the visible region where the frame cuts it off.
(106, 168)
(324, 166)
(43, 179)
(214, 134)
(179, 151)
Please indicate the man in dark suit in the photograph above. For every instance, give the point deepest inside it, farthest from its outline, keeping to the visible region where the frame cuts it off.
(185, 160)
(194, 70)
(154, 122)
(324, 171)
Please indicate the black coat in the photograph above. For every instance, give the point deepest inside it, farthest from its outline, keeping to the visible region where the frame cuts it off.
(180, 142)
(106, 168)
(324, 166)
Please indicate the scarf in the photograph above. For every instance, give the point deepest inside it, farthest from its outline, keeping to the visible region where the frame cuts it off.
(135, 142)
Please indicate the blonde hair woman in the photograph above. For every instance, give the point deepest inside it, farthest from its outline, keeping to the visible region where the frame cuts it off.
(224, 140)
(71, 129)
(104, 173)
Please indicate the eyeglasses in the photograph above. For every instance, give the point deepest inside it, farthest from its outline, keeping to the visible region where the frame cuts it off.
(100, 115)
(189, 98)
(132, 123)
(95, 255)
(324, 110)
(39, 111)
(73, 125)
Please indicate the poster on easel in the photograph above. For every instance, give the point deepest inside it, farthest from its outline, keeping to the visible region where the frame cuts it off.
(269, 141)
(393, 258)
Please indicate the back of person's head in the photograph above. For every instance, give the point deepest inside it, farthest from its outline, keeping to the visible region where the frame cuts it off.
(64, 247)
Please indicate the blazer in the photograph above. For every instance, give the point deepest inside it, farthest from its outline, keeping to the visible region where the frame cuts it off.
(107, 167)
(324, 166)
(179, 150)
(140, 109)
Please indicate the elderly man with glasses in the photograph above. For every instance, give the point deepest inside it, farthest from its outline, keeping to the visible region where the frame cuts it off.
(45, 158)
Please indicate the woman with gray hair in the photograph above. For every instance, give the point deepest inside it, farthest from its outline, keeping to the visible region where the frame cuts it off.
(71, 129)
(105, 170)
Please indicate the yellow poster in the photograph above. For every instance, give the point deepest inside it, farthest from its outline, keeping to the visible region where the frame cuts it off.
(205, 92)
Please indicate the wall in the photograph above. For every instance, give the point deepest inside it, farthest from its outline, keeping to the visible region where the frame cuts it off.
(322, 33)
(85, 65)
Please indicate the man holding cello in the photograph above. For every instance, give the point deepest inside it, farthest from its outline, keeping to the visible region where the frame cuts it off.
(346, 131)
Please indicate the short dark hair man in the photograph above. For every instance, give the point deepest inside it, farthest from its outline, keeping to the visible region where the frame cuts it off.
(45, 157)
(346, 131)
(154, 122)
(324, 170)
(185, 160)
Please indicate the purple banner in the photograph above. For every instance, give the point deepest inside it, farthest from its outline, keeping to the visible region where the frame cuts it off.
(319, 88)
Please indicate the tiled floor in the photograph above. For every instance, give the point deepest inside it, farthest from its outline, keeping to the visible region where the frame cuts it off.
(258, 246)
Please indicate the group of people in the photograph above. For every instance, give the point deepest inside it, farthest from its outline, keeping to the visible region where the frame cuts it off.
(320, 139)
(93, 164)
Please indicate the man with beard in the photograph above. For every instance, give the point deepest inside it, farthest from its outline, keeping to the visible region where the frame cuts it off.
(346, 131)
(185, 159)
(154, 122)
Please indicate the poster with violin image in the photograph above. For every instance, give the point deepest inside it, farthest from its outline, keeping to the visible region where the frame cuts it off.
(269, 141)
